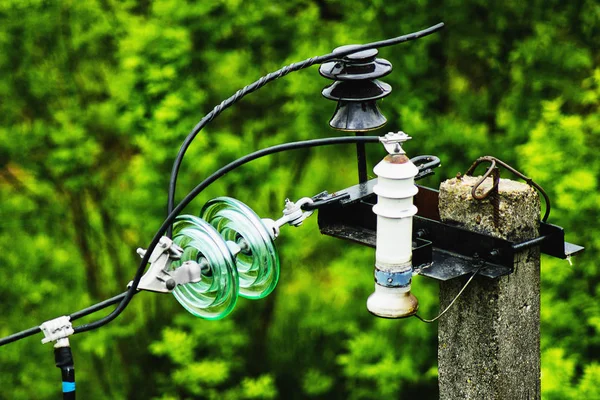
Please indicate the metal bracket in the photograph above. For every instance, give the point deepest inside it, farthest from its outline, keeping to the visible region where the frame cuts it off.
(392, 141)
(57, 330)
(440, 251)
(293, 214)
(159, 278)
(425, 164)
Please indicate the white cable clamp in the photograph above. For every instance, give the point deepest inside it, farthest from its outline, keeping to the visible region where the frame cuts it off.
(392, 141)
(57, 330)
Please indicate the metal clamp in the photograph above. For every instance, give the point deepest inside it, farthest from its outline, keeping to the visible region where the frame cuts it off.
(293, 214)
(393, 279)
(392, 142)
(159, 278)
(57, 330)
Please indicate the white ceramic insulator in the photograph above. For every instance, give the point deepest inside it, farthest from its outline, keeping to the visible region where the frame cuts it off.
(395, 190)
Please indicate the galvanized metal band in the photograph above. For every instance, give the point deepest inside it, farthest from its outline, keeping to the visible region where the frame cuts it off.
(394, 267)
(393, 279)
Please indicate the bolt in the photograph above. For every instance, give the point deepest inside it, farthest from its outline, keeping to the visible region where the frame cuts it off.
(390, 280)
(171, 284)
(243, 245)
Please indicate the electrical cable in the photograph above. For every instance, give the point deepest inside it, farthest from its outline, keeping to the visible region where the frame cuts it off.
(269, 78)
(98, 306)
(63, 358)
(124, 298)
(76, 315)
(19, 335)
(429, 321)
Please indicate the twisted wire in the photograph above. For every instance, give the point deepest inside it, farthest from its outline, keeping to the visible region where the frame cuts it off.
(216, 111)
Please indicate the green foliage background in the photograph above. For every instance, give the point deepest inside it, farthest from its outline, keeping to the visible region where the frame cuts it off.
(96, 96)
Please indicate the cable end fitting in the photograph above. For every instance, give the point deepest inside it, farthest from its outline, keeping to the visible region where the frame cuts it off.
(392, 142)
(57, 330)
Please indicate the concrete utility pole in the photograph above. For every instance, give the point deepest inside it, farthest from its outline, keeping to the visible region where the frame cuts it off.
(489, 342)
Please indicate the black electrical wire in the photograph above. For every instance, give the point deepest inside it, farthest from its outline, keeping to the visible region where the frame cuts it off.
(98, 306)
(429, 321)
(76, 315)
(19, 335)
(269, 78)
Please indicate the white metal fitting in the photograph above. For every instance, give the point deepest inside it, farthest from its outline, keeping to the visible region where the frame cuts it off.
(159, 278)
(57, 330)
(395, 190)
(392, 141)
(292, 215)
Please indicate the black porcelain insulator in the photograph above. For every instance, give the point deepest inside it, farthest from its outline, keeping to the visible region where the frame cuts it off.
(356, 66)
(357, 117)
(357, 90)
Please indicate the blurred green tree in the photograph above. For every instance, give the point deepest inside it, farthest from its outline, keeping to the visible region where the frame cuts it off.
(96, 96)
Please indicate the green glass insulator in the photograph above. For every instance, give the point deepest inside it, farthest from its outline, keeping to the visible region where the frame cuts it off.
(216, 294)
(258, 261)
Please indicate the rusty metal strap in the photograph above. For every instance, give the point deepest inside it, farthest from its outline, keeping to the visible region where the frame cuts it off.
(493, 170)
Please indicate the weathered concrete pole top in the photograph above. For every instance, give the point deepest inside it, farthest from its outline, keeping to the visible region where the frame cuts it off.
(489, 342)
(519, 207)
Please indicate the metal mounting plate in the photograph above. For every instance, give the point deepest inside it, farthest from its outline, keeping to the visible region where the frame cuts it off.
(441, 251)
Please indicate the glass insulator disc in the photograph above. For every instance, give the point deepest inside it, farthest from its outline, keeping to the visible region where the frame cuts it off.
(216, 294)
(258, 262)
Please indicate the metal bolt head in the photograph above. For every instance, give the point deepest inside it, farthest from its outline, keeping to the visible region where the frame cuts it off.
(171, 284)
(392, 142)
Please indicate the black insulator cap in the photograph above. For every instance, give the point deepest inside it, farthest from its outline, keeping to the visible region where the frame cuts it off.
(356, 66)
(357, 90)
(357, 116)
